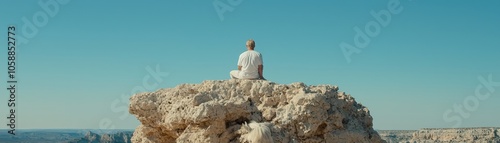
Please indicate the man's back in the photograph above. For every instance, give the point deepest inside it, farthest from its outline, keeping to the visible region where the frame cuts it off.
(249, 62)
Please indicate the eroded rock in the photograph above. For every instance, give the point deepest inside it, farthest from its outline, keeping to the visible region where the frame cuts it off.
(216, 111)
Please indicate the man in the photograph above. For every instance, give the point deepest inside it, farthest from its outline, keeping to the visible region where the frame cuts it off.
(249, 64)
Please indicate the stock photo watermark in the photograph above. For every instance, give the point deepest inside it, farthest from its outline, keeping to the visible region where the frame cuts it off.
(120, 105)
(11, 79)
(372, 29)
(32, 24)
(222, 7)
(18, 36)
(461, 111)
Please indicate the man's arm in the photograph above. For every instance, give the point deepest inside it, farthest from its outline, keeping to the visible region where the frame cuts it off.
(239, 68)
(261, 71)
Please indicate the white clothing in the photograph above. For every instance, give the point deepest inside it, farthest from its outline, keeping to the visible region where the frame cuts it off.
(235, 74)
(249, 62)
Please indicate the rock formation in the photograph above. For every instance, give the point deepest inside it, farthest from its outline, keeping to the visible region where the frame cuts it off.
(90, 137)
(444, 135)
(218, 111)
(396, 136)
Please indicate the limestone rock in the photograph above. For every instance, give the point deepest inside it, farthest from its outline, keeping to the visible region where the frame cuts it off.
(217, 111)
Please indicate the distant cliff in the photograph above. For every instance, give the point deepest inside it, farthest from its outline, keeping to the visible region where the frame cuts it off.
(218, 112)
(90, 137)
(443, 135)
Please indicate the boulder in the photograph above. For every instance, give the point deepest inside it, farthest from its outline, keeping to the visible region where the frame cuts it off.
(221, 111)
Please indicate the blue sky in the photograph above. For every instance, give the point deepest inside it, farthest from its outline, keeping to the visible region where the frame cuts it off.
(75, 69)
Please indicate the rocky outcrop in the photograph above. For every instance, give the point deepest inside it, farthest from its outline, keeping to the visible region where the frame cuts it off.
(395, 136)
(90, 137)
(444, 135)
(218, 111)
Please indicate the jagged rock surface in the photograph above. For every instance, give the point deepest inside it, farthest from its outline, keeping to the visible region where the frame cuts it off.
(444, 135)
(215, 111)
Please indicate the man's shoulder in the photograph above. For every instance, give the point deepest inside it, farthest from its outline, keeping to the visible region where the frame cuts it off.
(258, 54)
(244, 53)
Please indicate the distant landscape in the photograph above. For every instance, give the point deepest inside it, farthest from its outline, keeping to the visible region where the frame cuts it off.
(66, 136)
(483, 134)
(442, 135)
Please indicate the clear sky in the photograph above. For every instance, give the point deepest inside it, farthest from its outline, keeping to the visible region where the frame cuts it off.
(86, 54)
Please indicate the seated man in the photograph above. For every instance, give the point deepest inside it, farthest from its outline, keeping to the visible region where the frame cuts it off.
(249, 64)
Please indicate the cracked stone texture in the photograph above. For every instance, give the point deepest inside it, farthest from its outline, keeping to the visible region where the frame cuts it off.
(215, 111)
